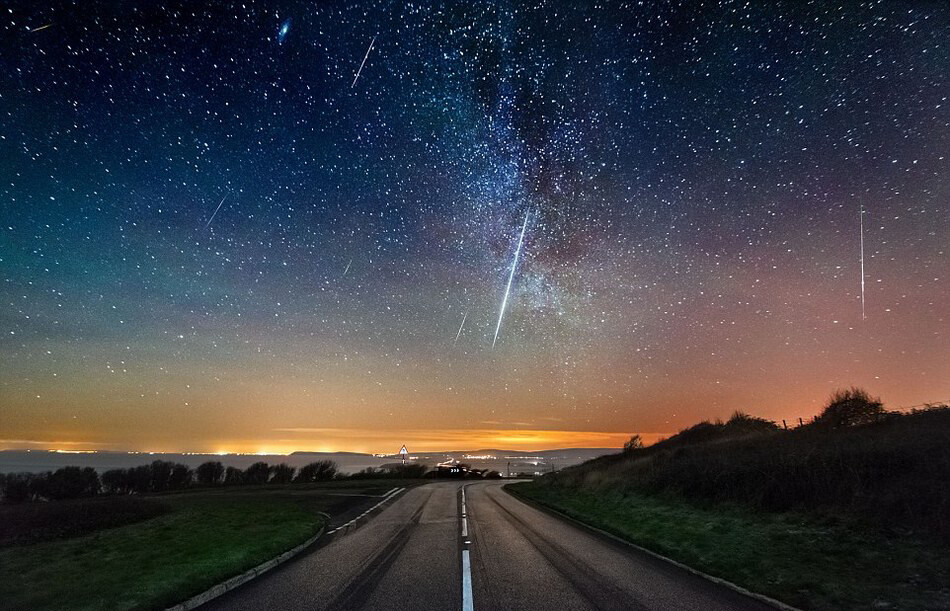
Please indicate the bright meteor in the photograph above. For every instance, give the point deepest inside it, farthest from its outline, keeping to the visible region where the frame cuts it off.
(363, 63)
(457, 335)
(215, 213)
(511, 275)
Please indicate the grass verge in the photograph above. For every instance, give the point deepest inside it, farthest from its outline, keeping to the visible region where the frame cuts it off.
(802, 561)
(204, 538)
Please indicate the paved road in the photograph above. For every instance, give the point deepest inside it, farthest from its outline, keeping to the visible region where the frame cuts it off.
(413, 556)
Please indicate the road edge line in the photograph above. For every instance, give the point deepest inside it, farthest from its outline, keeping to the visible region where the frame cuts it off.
(239, 580)
(717, 580)
(468, 595)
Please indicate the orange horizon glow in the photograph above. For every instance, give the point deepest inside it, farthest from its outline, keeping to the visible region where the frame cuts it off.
(366, 441)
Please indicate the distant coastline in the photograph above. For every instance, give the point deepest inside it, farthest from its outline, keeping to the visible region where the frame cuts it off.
(36, 461)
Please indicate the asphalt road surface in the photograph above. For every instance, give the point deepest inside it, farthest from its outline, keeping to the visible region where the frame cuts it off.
(438, 546)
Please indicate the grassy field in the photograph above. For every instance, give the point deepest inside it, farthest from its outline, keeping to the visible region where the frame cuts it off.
(196, 540)
(809, 562)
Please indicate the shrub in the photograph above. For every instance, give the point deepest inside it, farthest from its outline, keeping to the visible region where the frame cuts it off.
(319, 471)
(140, 478)
(180, 478)
(15, 487)
(233, 476)
(72, 483)
(893, 474)
(851, 407)
(258, 473)
(210, 473)
(633, 444)
(160, 472)
(282, 474)
(116, 481)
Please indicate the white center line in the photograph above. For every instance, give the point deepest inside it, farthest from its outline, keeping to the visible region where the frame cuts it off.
(467, 604)
(467, 599)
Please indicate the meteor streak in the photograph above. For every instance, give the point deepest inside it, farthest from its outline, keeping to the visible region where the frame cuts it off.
(42, 27)
(511, 275)
(460, 329)
(862, 262)
(216, 210)
(363, 63)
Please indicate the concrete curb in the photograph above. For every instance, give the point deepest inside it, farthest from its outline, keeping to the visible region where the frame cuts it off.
(239, 580)
(717, 580)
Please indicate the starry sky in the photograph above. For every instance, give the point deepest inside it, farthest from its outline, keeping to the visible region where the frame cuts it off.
(271, 226)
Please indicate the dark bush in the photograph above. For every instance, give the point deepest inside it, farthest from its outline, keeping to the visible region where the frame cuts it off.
(258, 473)
(72, 483)
(632, 444)
(116, 481)
(894, 473)
(160, 474)
(233, 476)
(282, 474)
(319, 471)
(16, 487)
(210, 473)
(181, 477)
(851, 407)
(140, 478)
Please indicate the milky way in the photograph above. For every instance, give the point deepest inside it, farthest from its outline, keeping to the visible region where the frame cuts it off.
(695, 172)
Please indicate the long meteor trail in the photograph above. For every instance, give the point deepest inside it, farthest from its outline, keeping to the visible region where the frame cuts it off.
(208, 224)
(863, 317)
(511, 276)
(460, 329)
(363, 63)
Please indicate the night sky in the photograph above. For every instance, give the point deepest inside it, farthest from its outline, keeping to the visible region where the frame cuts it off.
(260, 226)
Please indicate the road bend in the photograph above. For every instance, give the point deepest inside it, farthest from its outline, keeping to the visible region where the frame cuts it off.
(473, 547)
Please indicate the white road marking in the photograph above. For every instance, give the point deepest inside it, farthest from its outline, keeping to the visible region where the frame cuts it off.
(467, 604)
(467, 599)
(388, 496)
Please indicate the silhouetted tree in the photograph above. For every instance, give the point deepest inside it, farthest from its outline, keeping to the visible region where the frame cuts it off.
(116, 481)
(73, 482)
(16, 487)
(38, 485)
(632, 444)
(851, 407)
(282, 474)
(319, 471)
(161, 472)
(210, 473)
(258, 473)
(180, 478)
(233, 476)
(140, 478)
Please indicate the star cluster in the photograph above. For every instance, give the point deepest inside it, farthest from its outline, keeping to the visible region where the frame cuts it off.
(229, 220)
